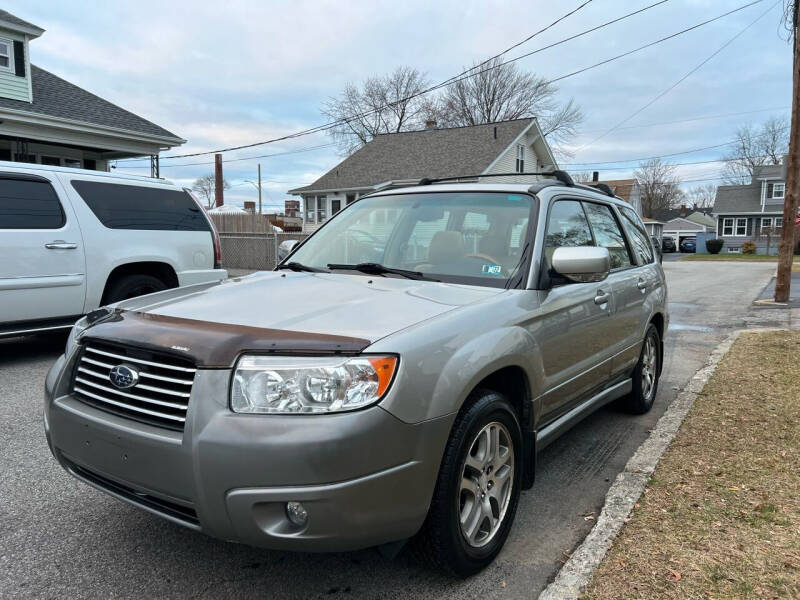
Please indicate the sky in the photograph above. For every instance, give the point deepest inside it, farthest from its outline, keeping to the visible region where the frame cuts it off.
(239, 72)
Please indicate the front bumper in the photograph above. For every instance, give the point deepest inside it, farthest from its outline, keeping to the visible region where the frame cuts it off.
(365, 478)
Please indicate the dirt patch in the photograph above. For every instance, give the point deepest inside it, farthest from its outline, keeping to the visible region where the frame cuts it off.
(720, 518)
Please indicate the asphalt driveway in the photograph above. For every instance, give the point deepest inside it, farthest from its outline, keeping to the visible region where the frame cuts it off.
(60, 538)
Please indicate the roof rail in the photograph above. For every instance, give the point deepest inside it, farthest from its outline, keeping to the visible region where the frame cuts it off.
(561, 176)
(603, 187)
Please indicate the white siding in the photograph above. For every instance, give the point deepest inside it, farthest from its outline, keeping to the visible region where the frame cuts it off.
(507, 163)
(11, 86)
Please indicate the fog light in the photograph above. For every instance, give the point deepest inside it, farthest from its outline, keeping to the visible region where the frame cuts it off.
(296, 513)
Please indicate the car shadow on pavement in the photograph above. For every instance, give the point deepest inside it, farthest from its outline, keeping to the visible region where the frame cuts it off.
(44, 346)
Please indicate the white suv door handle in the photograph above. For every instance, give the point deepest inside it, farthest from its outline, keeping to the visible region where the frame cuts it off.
(61, 245)
(601, 297)
(642, 285)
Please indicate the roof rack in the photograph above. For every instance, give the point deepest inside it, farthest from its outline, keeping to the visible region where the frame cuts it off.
(561, 176)
(603, 187)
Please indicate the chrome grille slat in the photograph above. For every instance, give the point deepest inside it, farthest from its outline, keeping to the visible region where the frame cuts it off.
(135, 408)
(140, 386)
(160, 397)
(83, 381)
(139, 360)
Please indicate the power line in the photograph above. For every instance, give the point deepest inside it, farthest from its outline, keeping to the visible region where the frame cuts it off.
(230, 160)
(464, 75)
(687, 75)
(701, 118)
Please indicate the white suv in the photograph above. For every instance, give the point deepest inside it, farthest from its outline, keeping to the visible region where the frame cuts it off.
(72, 240)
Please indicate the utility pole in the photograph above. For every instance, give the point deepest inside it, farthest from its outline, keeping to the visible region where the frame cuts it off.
(786, 246)
(259, 188)
(219, 200)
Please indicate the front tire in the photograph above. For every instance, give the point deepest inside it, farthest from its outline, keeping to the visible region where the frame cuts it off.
(478, 487)
(646, 374)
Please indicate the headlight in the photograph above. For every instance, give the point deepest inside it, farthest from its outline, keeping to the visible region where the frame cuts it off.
(293, 385)
(76, 330)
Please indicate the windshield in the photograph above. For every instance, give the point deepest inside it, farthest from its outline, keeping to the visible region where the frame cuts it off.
(463, 237)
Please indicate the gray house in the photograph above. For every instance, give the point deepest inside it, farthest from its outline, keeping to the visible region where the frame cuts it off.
(398, 159)
(752, 212)
(49, 121)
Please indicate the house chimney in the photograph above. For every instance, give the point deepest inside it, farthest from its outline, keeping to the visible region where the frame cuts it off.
(431, 124)
(683, 210)
(595, 176)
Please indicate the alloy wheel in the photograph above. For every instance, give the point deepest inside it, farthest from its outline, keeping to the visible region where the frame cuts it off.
(486, 483)
(649, 358)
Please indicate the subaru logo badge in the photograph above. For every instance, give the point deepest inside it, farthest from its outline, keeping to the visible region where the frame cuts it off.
(123, 377)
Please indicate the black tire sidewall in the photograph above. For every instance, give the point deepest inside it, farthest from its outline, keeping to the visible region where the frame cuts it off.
(637, 402)
(122, 288)
(488, 407)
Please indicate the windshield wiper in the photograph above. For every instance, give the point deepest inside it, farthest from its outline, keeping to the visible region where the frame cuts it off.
(379, 269)
(296, 266)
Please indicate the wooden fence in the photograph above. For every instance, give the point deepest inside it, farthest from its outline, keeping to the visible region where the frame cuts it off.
(242, 223)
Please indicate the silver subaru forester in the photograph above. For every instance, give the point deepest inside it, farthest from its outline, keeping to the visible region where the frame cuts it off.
(394, 377)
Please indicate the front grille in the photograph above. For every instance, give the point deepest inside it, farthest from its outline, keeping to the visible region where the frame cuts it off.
(171, 509)
(161, 396)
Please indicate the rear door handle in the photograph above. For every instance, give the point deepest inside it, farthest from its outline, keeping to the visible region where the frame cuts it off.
(642, 285)
(601, 297)
(61, 245)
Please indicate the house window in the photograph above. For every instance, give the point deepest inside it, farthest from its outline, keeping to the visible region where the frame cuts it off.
(727, 226)
(734, 250)
(778, 222)
(52, 161)
(350, 198)
(310, 205)
(322, 208)
(520, 158)
(741, 227)
(766, 224)
(5, 54)
(72, 163)
(336, 206)
(776, 190)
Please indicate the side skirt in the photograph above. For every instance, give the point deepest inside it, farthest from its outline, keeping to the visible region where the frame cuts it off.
(580, 412)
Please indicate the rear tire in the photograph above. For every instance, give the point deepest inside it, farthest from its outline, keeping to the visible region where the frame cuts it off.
(131, 286)
(478, 487)
(646, 374)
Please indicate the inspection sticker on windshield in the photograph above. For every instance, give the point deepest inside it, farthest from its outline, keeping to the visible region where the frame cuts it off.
(492, 269)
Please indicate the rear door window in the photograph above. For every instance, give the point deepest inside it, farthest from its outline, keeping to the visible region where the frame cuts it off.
(642, 245)
(29, 204)
(607, 234)
(119, 206)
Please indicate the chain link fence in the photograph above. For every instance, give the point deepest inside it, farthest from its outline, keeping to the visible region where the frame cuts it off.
(257, 251)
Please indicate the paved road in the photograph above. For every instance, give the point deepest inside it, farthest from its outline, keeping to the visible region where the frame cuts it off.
(60, 538)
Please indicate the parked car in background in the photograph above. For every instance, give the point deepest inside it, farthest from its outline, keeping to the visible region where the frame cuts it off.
(657, 247)
(72, 240)
(470, 325)
(668, 244)
(689, 244)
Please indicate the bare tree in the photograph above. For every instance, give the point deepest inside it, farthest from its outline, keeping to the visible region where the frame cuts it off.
(205, 187)
(379, 105)
(755, 147)
(658, 186)
(702, 196)
(582, 176)
(494, 91)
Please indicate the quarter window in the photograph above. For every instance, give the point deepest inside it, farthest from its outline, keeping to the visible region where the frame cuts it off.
(607, 234)
(29, 205)
(119, 206)
(642, 245)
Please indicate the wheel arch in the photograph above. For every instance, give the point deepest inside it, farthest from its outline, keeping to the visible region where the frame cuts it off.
(161, 270)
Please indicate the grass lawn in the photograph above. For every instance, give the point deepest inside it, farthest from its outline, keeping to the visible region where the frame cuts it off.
(720, 517)
(738, 257)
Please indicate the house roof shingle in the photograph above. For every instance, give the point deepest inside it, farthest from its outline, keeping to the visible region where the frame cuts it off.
(55, 97)
(451, 152)
(738, 199)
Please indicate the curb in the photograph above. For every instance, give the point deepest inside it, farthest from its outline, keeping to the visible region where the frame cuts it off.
(626, 490)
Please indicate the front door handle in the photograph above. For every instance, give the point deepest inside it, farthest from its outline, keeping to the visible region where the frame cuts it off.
(642, 285)
(601, 297)
(61, 245)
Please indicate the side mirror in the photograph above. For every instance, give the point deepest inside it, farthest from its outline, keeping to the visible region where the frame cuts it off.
(582, 264)
(285, 248)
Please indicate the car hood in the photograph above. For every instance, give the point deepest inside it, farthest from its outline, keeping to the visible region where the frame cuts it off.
(320, 303)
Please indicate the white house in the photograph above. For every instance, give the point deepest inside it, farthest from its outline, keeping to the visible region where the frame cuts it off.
(398, 159)
(49, 121)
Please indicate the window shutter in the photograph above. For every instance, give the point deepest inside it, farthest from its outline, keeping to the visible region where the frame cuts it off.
(19, 59)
